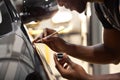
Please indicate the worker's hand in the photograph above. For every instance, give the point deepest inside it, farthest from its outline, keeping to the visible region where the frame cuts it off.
(54, 42)
(69, 69)
(78, 5)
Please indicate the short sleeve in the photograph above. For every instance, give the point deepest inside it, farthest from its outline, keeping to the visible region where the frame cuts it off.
(101, 17)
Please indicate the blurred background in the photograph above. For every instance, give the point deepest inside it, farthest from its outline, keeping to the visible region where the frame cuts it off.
(84, 29)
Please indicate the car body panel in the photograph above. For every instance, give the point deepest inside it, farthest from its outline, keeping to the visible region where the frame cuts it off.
(19, 60)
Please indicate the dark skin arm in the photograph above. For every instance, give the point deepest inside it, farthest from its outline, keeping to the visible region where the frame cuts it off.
(108, 52)
(73, 71)
(115, 76)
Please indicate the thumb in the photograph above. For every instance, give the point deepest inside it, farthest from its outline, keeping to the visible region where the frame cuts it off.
(58, 65)
(68, 60)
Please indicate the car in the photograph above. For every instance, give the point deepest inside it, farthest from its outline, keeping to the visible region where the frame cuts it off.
(19, 58)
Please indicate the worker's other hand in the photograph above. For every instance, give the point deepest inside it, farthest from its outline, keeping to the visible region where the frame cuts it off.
(54, 42)
(78, 5)
(69, 69)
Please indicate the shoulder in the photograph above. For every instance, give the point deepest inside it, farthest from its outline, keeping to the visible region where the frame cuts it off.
(108, 13)
(111, 41)
(100, 14)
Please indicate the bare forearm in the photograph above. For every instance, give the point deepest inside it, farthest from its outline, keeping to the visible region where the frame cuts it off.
(105, 77)
(95, 54)
(108, 52)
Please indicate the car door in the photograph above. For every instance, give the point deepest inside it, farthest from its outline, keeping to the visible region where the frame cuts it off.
(19, 60)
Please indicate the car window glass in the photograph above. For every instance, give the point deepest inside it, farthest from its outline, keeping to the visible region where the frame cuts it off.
(5, 25)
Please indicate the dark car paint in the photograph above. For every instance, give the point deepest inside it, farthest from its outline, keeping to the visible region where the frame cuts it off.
(19, 60)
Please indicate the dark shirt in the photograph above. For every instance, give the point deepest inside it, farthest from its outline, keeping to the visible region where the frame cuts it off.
(108, 13)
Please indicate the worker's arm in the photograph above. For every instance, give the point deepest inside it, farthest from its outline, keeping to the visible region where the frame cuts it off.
(108, 52)
(115, 76)
(72, 71)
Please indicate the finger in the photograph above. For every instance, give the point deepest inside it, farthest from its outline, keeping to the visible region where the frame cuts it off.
(36, 40)
(62, 62)
(43, 39)
(61, 58)
(56, 60)
(66, 66)
(68, 60)
(50, 31)
(48, 39)
(58, 66)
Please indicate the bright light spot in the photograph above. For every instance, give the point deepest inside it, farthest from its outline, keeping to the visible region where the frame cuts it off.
(61, 17)
(32, 22)
(0, 17)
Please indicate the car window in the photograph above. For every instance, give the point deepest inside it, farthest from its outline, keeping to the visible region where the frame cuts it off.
(5, 19)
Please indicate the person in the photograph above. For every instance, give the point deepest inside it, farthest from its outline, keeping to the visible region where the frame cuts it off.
(102, 53)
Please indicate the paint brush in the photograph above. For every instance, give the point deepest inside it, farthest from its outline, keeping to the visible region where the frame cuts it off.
(57, 31)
